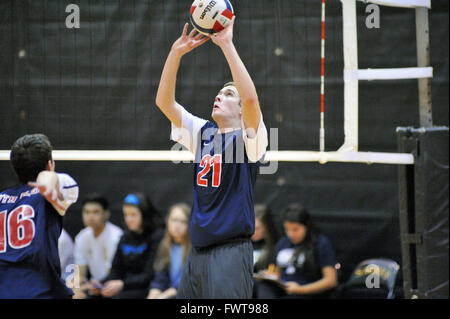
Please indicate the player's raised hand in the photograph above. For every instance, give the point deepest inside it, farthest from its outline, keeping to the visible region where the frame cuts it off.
(225, 36)
(48, 192)
(188, 42)
(48, 185)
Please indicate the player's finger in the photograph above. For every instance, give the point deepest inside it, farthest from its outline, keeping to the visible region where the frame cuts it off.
(105, 292)
(107, 287)
(201, 42)
(199, 36)
(94, 291)
(191, 34)
(185, 29)
(230, 25)
(41, 188)
(108, 292)
(45, 191)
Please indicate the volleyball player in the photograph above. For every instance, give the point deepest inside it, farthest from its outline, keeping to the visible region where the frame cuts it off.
(220, 263)
(31, 222)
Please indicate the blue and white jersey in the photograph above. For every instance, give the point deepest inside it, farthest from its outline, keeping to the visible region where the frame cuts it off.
(29, 230)
(225, 170)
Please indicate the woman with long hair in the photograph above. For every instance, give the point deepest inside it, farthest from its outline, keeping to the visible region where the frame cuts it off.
(305, 260)
(264, 239)
(172, 253)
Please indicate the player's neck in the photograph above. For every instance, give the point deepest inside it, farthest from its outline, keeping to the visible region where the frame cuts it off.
(226, 126)
(98, 231)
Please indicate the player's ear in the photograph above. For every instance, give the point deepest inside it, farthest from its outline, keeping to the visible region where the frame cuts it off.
(50, 166)
(107, 214)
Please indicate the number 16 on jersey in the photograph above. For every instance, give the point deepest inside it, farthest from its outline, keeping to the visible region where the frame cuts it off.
(18, 229)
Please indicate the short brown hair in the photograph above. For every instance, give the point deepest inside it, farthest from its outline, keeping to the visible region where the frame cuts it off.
(231, 83)
(30, 155)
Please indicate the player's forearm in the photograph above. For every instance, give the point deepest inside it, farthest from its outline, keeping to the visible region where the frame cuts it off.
(241, 77)
(166, 90)
(165, 97)
(319, 286)
(171, 292)
(250, 105)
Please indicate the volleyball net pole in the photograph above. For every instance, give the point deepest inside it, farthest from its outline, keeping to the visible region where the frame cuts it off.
(322, 82)
(352, 74)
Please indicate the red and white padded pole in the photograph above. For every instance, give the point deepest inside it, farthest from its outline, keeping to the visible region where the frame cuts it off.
(322, 82)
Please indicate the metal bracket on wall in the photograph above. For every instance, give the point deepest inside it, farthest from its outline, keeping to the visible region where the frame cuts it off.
(415, 238)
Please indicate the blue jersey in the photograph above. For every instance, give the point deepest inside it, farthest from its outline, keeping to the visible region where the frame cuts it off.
(29, 260)
(223, 182)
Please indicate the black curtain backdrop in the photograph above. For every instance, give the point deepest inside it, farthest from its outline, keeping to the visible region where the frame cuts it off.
(94, 88)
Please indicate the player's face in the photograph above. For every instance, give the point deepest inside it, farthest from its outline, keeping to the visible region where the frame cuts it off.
(295, 231)
(177, 224)
(227, 104)
(260, 230)
(133, 218)
(94, 215)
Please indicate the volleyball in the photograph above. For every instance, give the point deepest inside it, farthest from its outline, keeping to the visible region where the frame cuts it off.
(210, 16)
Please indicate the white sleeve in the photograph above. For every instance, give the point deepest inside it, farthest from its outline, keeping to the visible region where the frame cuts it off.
(255, 146)
(78, 252)
(69, 189)
(189, 134)
(65, 249)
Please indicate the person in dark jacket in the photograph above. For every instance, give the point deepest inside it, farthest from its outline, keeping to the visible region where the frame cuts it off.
(132, 267)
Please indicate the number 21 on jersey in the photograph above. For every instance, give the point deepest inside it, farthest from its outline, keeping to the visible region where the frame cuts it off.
(208, 162)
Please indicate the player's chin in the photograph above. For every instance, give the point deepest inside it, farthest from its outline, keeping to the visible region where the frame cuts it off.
(295, 240)
(91, 224)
